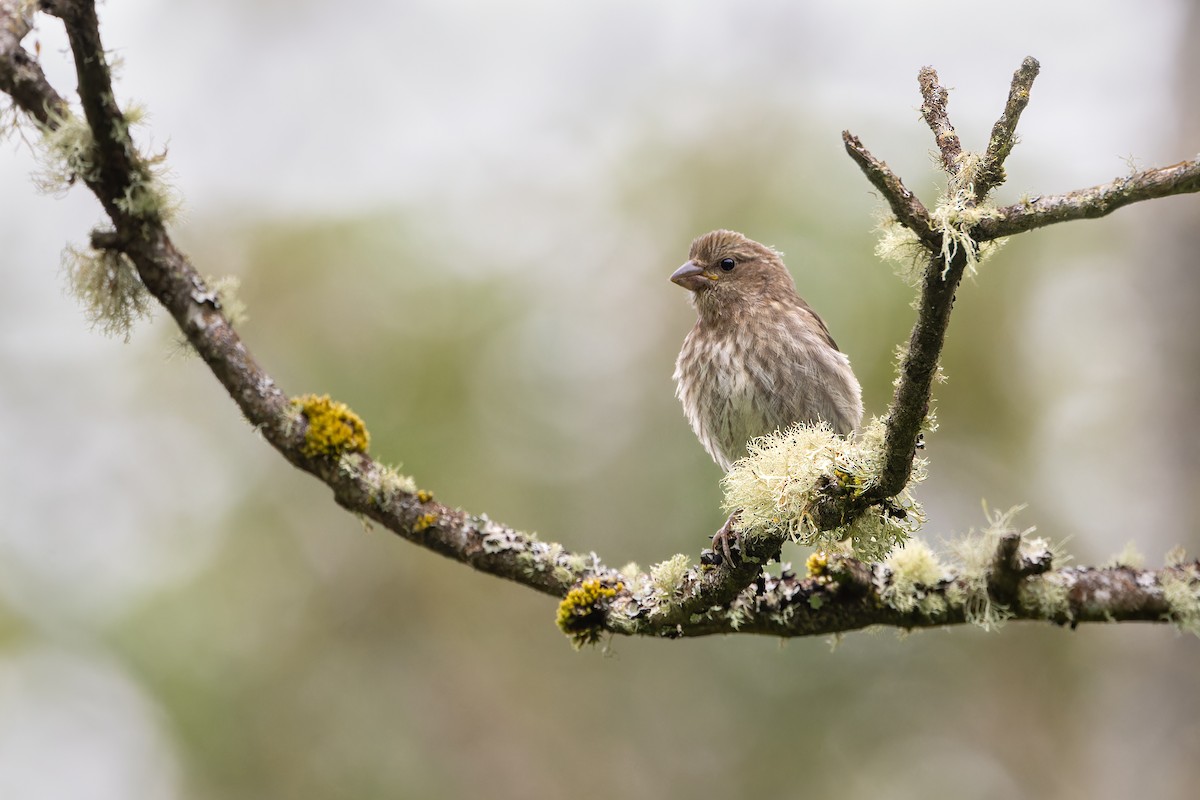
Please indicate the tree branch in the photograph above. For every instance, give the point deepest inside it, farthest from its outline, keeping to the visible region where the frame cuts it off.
(933, 109)
(1097, 201)
(907, 207)
(990, 172)
(676, 598)
(20, 76)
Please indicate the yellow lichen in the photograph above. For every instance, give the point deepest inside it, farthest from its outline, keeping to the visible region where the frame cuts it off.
(333, 429)
(424, 496)
(424, 522)
(817, 563)
(581, 613)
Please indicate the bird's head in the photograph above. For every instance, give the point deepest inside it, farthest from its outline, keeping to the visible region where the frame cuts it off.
(725, 269)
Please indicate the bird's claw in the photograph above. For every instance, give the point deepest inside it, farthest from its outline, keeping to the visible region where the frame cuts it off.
(726, 544)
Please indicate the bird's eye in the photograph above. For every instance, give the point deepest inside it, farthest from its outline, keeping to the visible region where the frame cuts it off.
(728, 264)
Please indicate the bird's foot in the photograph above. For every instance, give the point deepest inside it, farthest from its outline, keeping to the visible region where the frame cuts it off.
(726, 545)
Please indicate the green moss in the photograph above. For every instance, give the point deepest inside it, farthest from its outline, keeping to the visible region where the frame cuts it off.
(581, 613)
(333, 429)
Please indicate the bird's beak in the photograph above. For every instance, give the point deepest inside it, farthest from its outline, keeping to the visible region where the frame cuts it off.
(691, 277)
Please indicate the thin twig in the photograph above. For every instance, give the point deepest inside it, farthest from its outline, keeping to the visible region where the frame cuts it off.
(933, 109)
(20, 76)
(907, 207)
(1096, 201)
(990, 172)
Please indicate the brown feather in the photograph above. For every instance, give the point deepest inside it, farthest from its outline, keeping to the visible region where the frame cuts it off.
(758, 358)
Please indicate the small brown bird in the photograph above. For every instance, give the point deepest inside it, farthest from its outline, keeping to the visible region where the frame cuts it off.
(758, 358)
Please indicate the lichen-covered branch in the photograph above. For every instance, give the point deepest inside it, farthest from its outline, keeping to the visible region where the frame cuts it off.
(960, 226)
(933, 109)
(990, 172)
(1096, 201)
(907, 207)
(1015, 580)
(674, 598)
(20, 76)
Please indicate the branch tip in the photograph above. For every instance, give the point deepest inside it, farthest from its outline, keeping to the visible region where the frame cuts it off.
(936, 97)
(990, 172)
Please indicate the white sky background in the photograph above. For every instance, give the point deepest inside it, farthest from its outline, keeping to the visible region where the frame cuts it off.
(281, 107)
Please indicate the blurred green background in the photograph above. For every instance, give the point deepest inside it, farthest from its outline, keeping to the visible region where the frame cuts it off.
(460, 218)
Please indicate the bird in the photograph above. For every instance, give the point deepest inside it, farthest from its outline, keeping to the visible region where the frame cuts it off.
(758, 359)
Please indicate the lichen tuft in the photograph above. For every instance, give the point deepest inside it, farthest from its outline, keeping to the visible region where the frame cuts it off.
(914, 569)
(391, 483)
(955, 215)
(333, 429)
(778, 483)
(667, 576)
(67, 154)
(1181, 590)
(106, 283)
(226, 290)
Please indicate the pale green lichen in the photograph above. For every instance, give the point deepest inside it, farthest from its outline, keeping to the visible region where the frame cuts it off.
(226, 290)
(1129, 556)
(914, 569)
(667, 576)
(67, 154)
(903, 249)
(1046, 596)
(1182, 592)
(954, 216)
(106, 283)
(776, 486)
(1175, 556)
(392, 484)
(975, 553)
